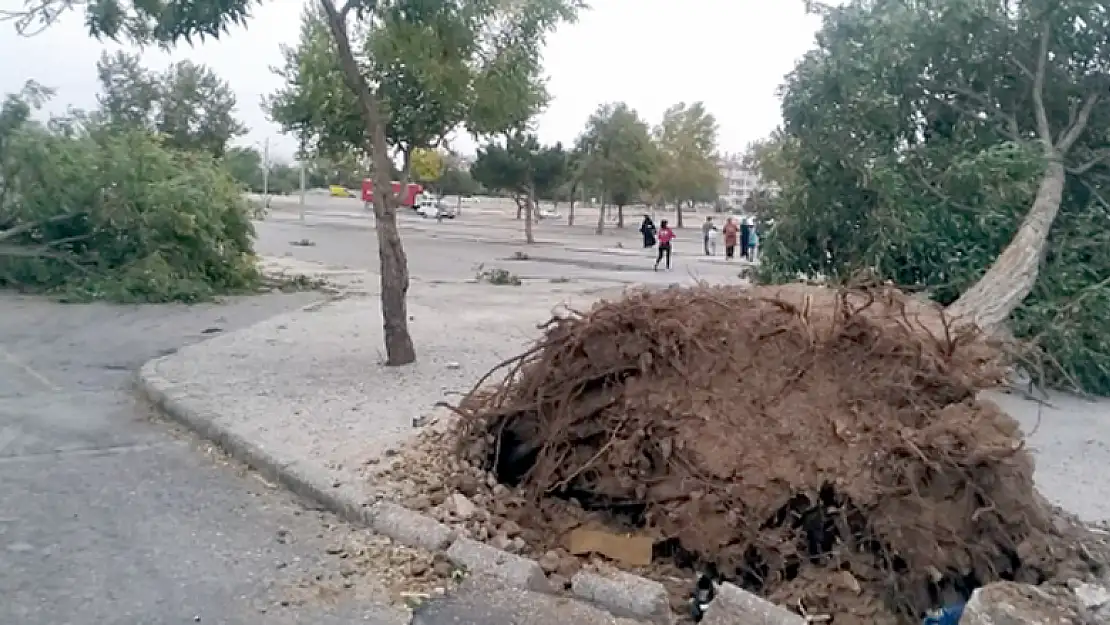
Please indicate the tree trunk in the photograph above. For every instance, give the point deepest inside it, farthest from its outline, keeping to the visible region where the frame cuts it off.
(678, 214)
(570, 215)
(1010, 279)
(518, 209)
(399, 348)
(600, 219)
(524, 204)
(620, 216)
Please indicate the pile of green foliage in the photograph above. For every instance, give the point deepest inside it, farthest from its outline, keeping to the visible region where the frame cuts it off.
(91, 212)
(910, 149)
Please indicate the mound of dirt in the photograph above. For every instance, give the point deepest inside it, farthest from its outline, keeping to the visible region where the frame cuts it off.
(824, 449)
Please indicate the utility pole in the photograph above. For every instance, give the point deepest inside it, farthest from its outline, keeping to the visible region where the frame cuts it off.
(302, 188)
(266, 172)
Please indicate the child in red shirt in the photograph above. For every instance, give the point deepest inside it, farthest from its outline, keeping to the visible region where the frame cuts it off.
(666, 235)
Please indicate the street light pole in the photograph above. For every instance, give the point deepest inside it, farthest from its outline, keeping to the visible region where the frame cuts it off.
(266, 173)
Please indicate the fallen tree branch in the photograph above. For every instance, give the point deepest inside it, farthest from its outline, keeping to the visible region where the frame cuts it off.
(1076, 129)
(1101, 156)
(29, 226)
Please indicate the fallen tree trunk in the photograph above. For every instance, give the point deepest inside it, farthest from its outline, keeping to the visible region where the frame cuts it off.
(991, 300)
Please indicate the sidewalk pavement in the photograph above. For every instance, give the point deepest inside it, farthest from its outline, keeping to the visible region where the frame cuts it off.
(304, 399)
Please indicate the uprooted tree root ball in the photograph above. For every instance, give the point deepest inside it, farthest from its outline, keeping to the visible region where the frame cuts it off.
(824, 449)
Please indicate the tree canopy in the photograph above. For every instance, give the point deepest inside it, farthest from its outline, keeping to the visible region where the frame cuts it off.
(958, 148)
(519, 166)
(447, 65)
(188, 103)
(687, 143)
(619, 156)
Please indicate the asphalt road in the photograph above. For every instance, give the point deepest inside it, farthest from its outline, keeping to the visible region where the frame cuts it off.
(109, 516)
(458, 249)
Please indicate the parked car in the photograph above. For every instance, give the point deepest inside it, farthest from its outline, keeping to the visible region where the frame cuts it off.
(548, 212)
(435, 209)
(339, 191)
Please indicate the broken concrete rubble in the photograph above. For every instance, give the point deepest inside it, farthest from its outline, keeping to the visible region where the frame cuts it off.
(1010, 603)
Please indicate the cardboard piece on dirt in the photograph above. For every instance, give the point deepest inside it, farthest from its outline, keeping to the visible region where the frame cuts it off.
(629, 550)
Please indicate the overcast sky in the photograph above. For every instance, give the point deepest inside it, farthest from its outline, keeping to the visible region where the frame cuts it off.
(731, 54)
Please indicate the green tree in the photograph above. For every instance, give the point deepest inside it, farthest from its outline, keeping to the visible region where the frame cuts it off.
(958, 148)
(245, 166)
(687, 143)
(620, 157)
(523, 169)
(427, 166)
(346, 169)
(576, 172)
(188, 103)
(458, 181)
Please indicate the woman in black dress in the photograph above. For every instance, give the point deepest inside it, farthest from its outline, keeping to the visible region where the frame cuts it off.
(647, 228)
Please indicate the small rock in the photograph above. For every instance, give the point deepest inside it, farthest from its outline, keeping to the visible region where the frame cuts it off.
(501, 541)
(462, 506)
(517, 545)
(1019, 604)
(283, 537)
(558, 582)
(510, 528)
(419, 503)
(549, 562)
(500, 490)
(346, 569)
(1092, 596)
(442, 568)
(334, 549)
(569, 565)
(454, 365)
(418, 568)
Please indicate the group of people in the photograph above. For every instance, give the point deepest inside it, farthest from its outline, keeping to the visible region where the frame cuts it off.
(742, 234)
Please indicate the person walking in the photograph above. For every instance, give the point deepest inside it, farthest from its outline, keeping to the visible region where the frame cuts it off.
(754, 242)
(666, 235)
(706, 228)
(732, 233)
(647, 229)
(745, 237)
(711, 241)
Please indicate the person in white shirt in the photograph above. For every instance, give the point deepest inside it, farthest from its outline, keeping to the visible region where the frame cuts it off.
(711, 241)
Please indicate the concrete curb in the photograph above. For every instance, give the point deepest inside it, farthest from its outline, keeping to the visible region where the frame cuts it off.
(622, 594)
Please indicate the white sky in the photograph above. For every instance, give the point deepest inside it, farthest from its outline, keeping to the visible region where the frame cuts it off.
(732, 54)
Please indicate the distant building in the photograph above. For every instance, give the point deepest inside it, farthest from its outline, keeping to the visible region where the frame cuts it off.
(738, 182)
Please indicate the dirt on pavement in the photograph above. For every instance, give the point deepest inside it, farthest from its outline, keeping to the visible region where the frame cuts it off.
(824, 449)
